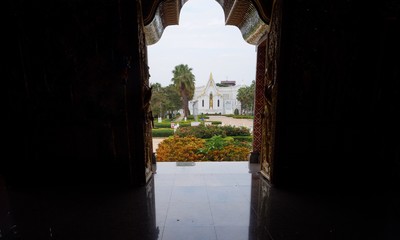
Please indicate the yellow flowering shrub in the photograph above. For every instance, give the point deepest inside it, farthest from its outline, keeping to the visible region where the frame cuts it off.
(192, 149)
(180, 149)
(229, 152)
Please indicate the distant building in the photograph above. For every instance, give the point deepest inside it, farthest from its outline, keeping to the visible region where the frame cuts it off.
(212, 99)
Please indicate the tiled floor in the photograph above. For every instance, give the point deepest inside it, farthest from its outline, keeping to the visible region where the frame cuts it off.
(209, 200)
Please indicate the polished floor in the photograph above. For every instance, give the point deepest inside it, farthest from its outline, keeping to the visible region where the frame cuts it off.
(204, 201)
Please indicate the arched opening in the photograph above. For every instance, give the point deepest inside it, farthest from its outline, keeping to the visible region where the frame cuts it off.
(213, 99)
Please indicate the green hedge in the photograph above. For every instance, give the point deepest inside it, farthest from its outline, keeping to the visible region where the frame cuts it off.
(184, 124)
(162, 132)
(243, 117)
(162, 124)
(243, 138)
(209, 131)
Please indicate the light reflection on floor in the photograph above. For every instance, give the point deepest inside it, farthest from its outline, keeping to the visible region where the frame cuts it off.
(210, 200)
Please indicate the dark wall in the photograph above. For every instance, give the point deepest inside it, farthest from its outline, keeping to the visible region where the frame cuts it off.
(339, 90)
(65, 113)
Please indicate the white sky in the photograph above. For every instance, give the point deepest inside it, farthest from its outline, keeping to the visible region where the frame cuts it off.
(205, 44)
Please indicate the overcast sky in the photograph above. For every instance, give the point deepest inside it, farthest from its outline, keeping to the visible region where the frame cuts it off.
(205, 44)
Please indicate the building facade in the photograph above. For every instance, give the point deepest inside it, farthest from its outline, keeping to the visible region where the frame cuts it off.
(213, 99)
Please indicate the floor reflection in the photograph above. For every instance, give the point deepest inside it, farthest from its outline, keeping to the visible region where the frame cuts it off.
(209, 200)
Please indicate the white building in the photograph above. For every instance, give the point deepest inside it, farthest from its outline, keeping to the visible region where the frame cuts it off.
(211, 99)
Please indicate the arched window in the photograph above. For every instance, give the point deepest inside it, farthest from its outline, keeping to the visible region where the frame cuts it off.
(218, 103)
(202, 103)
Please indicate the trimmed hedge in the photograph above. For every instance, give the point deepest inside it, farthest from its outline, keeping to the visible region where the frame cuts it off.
(163, 132)
(168, 124)
(239, 116)
(162, 125)
(243, 138)
(243, 117)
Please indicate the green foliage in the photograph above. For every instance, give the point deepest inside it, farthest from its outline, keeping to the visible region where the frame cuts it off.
(164, 100)
(243, 117)
(203, 116)
(246, 97)
(162, 132)
(203, 131)
(185, 123)
(178, 149)
(183, 80)
(218, 148)
(243, 138)
(216, 142)
(162, 124)
(235, 131)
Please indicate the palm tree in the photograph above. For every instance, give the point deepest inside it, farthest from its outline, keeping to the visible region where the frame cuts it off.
(184, 82)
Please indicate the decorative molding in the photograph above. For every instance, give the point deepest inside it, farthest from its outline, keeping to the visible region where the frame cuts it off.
(250, 16)
(166, 13)
(245, 15)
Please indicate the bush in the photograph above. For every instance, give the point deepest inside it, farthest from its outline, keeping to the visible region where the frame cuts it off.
(162, 132)
(243, 138)
(236, 131)
(217, 148)
(162, 124)
(184, 123)
(200, 131)
(243, 116)
(203, 131)
(180, 149)
(224, 149)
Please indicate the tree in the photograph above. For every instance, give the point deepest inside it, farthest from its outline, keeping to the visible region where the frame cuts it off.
(157, 99)
(164, 100)
(184, 82)
(246, 97)
(173, 102)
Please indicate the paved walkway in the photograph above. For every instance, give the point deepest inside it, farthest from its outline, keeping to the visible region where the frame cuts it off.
(225, 121)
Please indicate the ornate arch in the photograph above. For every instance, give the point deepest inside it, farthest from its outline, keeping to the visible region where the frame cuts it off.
(252, 17)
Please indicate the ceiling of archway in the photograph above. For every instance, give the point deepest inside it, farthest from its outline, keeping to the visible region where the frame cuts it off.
(250, 16)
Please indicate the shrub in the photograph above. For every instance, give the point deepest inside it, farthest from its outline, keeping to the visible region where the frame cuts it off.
(228, 153)
(243, 116)
(162, 132)
(217, 148)
(200, 131)
(180, 149)
(243, 138)
(184, 123)
(224, 149)
(203, 131)
(162, 124)
(236, 131)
